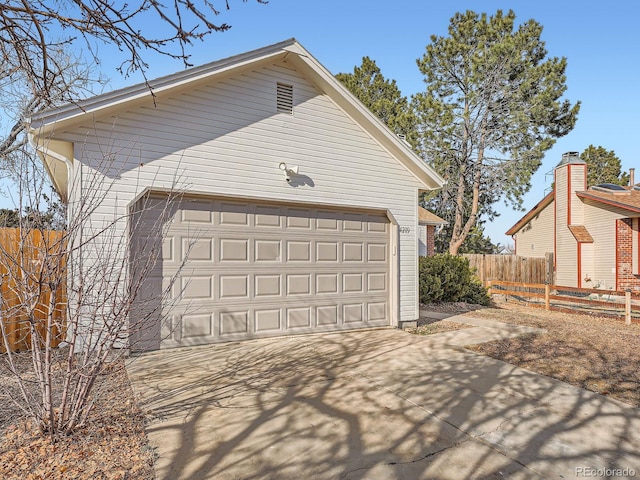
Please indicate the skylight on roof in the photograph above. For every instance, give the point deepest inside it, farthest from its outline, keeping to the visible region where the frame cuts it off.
(609, 188)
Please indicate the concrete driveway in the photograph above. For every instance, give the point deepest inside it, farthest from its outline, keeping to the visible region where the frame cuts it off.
(380, 404)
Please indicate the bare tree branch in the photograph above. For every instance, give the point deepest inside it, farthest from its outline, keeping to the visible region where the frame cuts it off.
(26, 28)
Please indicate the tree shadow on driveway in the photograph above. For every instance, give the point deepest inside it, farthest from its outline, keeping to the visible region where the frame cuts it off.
(371, 404)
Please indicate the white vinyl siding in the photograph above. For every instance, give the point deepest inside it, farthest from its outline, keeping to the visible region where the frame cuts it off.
(228, 139)
(422, 240)
(535, 239)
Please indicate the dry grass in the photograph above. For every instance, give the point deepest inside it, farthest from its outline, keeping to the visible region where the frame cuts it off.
(595, 353)
(112, 446)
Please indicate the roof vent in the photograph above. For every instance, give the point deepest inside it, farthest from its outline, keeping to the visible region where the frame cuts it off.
(610, 188)
(284, 98)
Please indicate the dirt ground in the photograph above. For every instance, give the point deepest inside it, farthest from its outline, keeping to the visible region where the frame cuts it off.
(598, 354)
(430, 326)
(112, 446)
(595, 353)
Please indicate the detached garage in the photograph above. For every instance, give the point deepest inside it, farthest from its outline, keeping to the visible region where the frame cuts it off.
(297, 210)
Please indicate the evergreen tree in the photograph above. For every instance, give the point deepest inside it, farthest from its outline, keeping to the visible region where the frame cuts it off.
(382, 97)
(603, 167)
(492, 107)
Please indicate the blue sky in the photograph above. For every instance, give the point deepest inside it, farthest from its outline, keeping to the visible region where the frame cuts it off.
(599, 39)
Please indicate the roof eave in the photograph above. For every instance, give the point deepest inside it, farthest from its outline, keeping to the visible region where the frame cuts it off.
(42, 123)
(606, 201)
(541, 205)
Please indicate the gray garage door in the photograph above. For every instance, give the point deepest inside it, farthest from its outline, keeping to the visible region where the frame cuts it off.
(257, 269)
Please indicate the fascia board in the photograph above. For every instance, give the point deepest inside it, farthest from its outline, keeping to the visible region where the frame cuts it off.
(542, 204)
(58, 118)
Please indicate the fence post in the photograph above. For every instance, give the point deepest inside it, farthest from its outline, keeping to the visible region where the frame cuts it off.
(489, 287)
(547, 292)
(627, 307)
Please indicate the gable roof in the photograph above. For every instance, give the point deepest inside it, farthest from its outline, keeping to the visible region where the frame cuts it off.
(43, 125)
(531, 213)
(425, 217)
(629, 200)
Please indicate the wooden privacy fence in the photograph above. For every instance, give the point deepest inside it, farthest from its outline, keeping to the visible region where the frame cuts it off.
(512, 268)
(32, 288)
(612, 303)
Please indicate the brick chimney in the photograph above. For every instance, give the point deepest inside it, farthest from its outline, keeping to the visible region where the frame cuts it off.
(632, 177)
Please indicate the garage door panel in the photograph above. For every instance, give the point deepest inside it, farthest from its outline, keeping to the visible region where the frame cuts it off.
(299, 284)
(197, 249)
(298, 251)
(377, 224)
(377, 282)
(352, 313)
(234, 250)
(196, 287)
(298, 219)
(267, 217)
(352, 283)
(233, 214)
(268, 285)
(352, 222)
(267, 250)
(233, 323)
(268, 320)
(352, 252)
(327, 315)
(326, 220)
(195, 211)
(298, 317)
(326, 283)
(168, 254)
(377, 252)
(266, 269)
(234, 286)
(326, 251)
(196, 326)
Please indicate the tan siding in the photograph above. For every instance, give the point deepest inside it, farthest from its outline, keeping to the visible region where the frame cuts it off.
(602, 227)
(578, 179)
(566, 253)
(228, 139)
(587, 265)
(536, 238)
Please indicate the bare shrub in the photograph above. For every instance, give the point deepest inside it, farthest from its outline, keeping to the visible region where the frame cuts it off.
(78, 299)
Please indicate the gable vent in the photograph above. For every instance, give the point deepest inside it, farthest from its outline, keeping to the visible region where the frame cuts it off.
(284, 98)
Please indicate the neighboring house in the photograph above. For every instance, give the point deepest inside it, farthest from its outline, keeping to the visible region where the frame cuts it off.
(427, 225)
(300, 205)
(592, 232)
